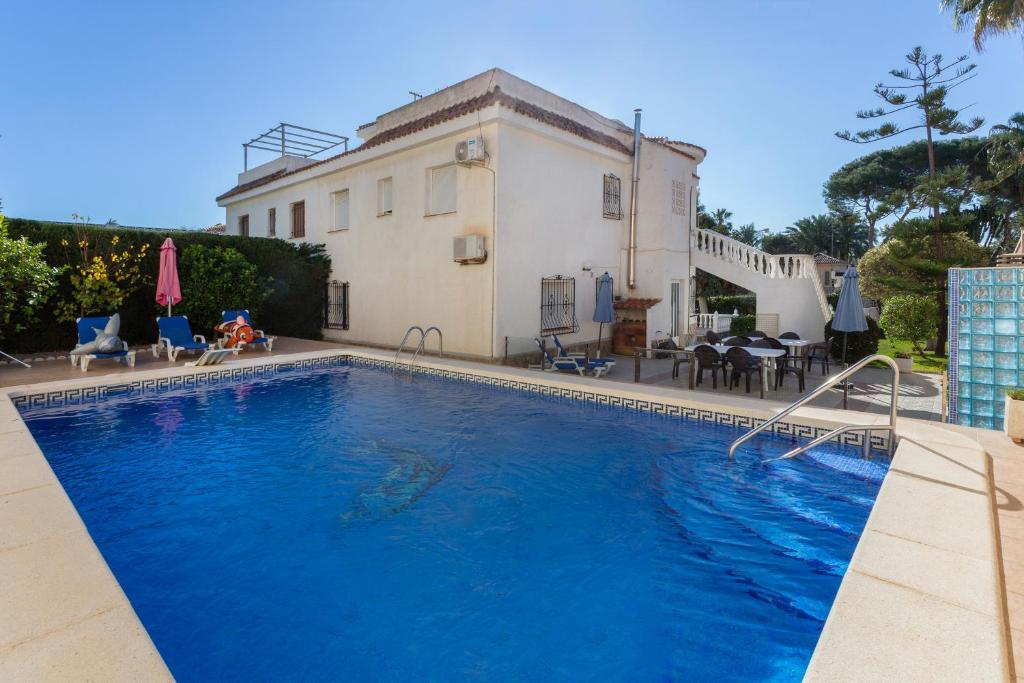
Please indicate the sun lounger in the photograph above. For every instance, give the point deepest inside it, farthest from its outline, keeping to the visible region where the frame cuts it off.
(261, 336)
(562, 353)
(578, 365)
(176, 336)
(213, 357)
(87, 334)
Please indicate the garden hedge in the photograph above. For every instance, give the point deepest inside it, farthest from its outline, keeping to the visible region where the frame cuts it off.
(745, 304)
(298, 276)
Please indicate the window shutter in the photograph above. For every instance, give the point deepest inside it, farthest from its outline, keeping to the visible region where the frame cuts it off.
(341, 210)
(299, 219)
(442, 189)
(271, 222)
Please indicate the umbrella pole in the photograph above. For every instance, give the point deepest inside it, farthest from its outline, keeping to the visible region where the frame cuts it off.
(846, 382)
(600, 332)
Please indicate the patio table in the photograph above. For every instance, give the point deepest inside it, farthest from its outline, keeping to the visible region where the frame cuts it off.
(757, 352)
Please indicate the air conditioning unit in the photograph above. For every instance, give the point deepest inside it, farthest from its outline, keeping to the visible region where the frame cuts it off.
(469, 150)
(469, 249)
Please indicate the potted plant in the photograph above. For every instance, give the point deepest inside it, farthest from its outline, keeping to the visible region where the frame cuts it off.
(904, 362)
(1013, 415)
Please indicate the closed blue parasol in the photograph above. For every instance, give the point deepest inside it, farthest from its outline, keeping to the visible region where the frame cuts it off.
(849, 315)
(604, 311)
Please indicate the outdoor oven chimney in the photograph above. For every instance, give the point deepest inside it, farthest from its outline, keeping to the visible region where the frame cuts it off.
(631, 262)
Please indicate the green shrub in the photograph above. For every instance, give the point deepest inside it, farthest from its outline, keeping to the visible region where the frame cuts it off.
(745, 304)
(297, 273)
(215, 279)
(742, 324)
(26, 281)
(859, 344)
(909, 318)
(1015, 394)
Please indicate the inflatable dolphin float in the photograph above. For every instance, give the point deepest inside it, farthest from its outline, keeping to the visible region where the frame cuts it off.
(408, 480)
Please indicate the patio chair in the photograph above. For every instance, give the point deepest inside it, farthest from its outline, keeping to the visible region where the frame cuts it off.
(758, 333)
(562, 353)
(574, 364)
(176, 336)
(707, 358)
(819, 353)
(789, 335)
(261, 336)
(713, 338)
(741, 362)
(87, 334)
(737, 341)
(787, 364)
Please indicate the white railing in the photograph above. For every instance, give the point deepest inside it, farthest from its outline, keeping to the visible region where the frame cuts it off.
(773, 266)
(715, 322)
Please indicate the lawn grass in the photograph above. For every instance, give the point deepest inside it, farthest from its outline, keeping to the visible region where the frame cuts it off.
(928, 362)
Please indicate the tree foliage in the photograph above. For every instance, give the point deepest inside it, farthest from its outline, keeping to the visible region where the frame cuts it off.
(911, 318)
(26, 281)
(858, 344)
(215, 279)
(987, 17)
(908, 263)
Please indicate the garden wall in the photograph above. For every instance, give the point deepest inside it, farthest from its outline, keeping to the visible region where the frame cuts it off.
(297, 277)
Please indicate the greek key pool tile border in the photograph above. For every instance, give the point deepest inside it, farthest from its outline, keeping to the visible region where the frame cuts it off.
(80, 396)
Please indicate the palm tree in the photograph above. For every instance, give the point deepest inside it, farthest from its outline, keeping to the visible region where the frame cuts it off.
(829, 233)
(989, 17)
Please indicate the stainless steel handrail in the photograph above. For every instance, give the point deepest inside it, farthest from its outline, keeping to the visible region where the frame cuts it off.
(401, 347)
(422, 345)
(832, 381)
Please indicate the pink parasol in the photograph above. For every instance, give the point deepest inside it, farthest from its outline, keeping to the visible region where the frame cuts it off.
(168, 291)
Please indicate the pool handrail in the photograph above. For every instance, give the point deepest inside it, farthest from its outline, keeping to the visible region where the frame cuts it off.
(828, 384)
(420, 347)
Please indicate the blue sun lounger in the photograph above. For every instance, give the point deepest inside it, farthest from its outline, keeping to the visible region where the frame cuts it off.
(565, 354)
(87, 333)
(261, 336)
(176, 336)
(576, 364)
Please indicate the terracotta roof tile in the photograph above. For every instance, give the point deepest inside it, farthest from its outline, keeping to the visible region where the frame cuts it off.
(635, 304)
(448, 113)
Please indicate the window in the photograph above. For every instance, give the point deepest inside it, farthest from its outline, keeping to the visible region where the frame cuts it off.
(339, 200)
(558, 305)
(441, 190)
(271, 222)
(243, 225)
(612, 196)
(384, 205)
(299, 219)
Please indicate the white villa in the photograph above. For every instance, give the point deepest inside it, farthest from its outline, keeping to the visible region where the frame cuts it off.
(542, 191)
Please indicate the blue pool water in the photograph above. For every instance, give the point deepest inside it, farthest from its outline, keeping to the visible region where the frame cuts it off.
(342, 524)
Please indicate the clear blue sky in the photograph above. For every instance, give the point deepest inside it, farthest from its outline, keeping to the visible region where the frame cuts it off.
(137, 111)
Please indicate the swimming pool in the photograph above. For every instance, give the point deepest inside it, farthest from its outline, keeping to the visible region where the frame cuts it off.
(345, 524)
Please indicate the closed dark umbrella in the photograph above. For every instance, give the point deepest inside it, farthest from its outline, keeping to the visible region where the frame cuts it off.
(849, 315)
(604, 311)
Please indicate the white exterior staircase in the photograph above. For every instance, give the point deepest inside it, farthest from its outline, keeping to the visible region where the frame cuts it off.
(787, 285)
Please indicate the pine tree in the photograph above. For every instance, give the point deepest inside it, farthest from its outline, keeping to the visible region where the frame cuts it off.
(922, 87)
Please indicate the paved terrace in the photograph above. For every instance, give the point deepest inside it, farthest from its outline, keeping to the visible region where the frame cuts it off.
(920, 398)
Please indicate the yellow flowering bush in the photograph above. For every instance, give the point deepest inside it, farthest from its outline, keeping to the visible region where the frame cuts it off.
(105, 274)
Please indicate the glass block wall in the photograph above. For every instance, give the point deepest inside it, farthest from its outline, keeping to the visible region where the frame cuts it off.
(986, 342)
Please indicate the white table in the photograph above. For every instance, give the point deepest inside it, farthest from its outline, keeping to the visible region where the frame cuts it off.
(755, 351)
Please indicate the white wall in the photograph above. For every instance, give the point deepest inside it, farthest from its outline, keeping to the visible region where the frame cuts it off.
(549, 209)
(550, 222)
(400, 266)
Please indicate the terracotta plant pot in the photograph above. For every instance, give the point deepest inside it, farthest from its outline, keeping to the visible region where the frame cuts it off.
(1013, 419)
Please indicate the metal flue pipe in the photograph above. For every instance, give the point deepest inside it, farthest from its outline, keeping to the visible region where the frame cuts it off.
(631, 261)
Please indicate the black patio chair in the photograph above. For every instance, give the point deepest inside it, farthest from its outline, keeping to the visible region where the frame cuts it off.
(758, 333)
(737, 341)
(741, 362)
(713, 337)
(709, 359)
(789, 335)
(787, 364)
(819, 353)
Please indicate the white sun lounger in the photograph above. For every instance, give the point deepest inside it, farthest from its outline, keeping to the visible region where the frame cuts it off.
(213, 357)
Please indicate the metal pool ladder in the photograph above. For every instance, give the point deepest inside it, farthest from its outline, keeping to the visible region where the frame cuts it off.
(831, 382)
(420, 347)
